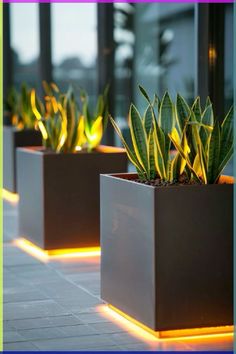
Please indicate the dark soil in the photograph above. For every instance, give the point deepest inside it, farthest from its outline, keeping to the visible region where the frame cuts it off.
(182, 181)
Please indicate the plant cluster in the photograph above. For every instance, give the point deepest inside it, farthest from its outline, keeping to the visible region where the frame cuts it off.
(18, 109)
(203, 146)
(64, 126)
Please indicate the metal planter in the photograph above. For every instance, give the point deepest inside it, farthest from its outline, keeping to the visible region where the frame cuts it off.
(167, 252)
(59, 195)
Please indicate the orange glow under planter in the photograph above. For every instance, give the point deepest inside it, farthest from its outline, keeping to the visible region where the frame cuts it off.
(47, 255)
(144, 332)
(10, 197)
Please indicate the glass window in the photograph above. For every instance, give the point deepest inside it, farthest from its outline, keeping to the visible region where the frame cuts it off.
(24, 22)
(74, 46)
(154, 48)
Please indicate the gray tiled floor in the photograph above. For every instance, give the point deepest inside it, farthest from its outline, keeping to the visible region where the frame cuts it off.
(56, 306)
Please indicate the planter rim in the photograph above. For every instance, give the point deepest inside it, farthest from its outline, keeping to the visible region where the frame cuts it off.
(40, 150)
(130, 176)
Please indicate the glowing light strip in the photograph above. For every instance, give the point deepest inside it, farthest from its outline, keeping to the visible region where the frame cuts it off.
(9, 196)
(47, 255)
(142, 331)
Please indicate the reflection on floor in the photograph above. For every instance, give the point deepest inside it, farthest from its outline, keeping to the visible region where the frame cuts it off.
(55, 305)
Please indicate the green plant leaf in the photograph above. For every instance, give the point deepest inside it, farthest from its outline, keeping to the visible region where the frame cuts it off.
(148, 119)
(175, 167)
(227, 134)
(166, 114)
(144, 93)
(159, 150)
(183, 112)
(226, 159)
(139, 138)
(130, 153)
(197, 109)
(151, 156)
(208, 116)
(184, 156)
(208, 102)
(214, 154)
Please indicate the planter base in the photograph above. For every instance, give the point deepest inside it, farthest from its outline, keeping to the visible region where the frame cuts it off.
(180, 333)
(47, 255)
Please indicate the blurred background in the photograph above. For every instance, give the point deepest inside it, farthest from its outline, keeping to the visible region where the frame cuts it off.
(185, 48)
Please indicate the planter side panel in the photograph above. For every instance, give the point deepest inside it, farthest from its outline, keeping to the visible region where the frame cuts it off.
(12, 139)
(30, 188)
(194, 255)
(72, 207)
(127, 243)
(9, 159)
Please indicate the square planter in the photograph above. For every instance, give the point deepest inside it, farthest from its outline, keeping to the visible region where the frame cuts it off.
(167, 252)
(13, 138)
(59, 195)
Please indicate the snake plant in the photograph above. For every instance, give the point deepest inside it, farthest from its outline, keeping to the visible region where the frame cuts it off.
(203, 147)
(18, 107)
(94, 124)
(58, 119)
(63, 126)
(210, 144)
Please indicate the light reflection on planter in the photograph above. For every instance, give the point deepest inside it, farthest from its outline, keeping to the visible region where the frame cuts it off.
(143, 332)
(48, 255)
(10, 197)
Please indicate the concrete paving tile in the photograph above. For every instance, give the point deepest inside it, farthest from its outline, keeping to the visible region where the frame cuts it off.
(44, 322)
(12, 336)
(107, 327)
(30, 309)
(14, 256)
(75, 343)
(112, 348)
(7, 326)
(76, 331)
(24, 296)
(91, 317)
(125, 338)
(40, 333)
(79, 304)
(20, 346)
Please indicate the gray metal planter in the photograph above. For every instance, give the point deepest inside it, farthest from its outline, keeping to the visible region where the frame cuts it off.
(13, 138)
(167, 252)
(59, 195)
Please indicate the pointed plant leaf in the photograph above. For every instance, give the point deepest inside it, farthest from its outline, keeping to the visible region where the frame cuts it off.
(159, 151)
(226, 159)
(130, 153)
(197, 109)
(144, 93)
(138, 136)
(166, 114)
(214, 154)
(151, 156)
(183, 112)
(148, 118)
(227, 135)
(208, 116)
(184, 156)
